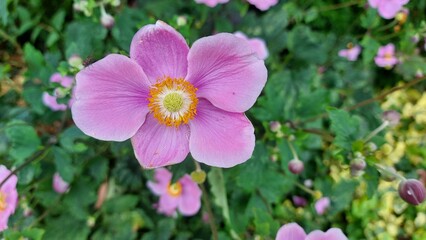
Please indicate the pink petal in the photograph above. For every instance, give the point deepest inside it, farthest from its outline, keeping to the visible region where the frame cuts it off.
(322, 205)
(263, 4)
(190, 202)
(291, 231)
(158, 145)
(52, 102)
(65, 81)
(335, 234)
(259, 46)
(162, 180)
(316, 235)
(388, 9)
(161, 51)
(389, 49)
(374, 3)
(168, 204)
(58, 184)
(343, 53)
(226, 71)
(211, 3)
(219, 138)
(9, 189)
(111, 98)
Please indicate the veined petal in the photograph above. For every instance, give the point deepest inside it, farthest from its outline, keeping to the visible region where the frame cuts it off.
(161, 51)
(190, 202)
(291, 231)
(219, 138)
(111, 98)
(226, 71)
(157, 145)
(168, 204)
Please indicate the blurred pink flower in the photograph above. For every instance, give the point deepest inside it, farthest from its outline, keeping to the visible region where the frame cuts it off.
(321, 205)
(171, 100)
(263, 4)
(51, 101)
(211, 3)
(8, 197)
(350, 53)
(292, 231)
(388, 8)
(386, 56)
(184, 195)
(58, 184)
(257, 44)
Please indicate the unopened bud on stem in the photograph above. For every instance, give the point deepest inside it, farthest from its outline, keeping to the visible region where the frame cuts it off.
(412, 191)
(296, 166)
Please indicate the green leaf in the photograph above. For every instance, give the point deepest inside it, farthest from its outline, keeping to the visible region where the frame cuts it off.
(4, 12)
(344, 127)
(217, 182)
(120, 203)
(58, 20)
(24, 140)
(63, 164)
(87, 36)
(33, 96)
(342, 195)
(66, 227)
(69, 140)
(264, 223)
(33, 233)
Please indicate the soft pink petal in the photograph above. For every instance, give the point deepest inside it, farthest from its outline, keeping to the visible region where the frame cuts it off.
(335, 234)
(65, 81)
(343, 53)
(322, 205)
(291, 231)
(219, 138)
(190, 202)
(388, 9)
(374, 3)
(161, 51)
(162, 179)
(157, 145)
(168, 204)
(259, 46)
(52, 102)
(211, 3)
(226, 71)
(263, 4)
(111, 98)
(385, 62)
(9, 190)
(389, 49)
(316, 235)
(58, 184)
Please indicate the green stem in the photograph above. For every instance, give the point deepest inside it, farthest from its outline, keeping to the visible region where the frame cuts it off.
(382, 168)
(376, 131)
(305, 189)
(293, 151)
(208, 207)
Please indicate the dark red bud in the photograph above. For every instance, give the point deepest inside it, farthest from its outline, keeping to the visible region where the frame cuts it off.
(358, 164)
(412, 191)
(296, 166)
(392, 117)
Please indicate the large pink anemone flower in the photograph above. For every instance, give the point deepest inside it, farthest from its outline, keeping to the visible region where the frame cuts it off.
(8, 197)
(172, 100)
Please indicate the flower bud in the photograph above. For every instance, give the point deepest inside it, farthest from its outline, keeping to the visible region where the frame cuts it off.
(59, 185)
(358, 164)
(107, 20)
(299, 201)
(275, 126)
(372, 147)
(392, 117)
(308, 183)
(75, 61)
(296, 166)
(388, 174)
(419, 73)
(412, 191)
(198, 176)
(415, 38)
(181, 21)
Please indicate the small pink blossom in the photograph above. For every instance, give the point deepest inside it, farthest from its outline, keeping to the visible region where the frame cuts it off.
(171, 99)
(386, 56)
(184, 195)
(292, 231)
(51, 101)
(58, 184)
(8, 197)
(263, 4)
(388, 8)
(299, 201)
(321, 205)
(211, 3)
(257, 44)
(350, 53)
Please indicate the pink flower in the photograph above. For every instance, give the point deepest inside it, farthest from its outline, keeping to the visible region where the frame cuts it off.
(8, 197)
(211, 3)
(263, 4)
(388, 8)
(292, 231)
(257, 44)
(184, 195)
(58, 184)
(386, 56)
(350, 53)
(322, 205)
(51, 101)
(171, 100)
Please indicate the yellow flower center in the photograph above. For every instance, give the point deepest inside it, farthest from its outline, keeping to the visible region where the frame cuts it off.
(388, 56)
(3, 203)
(174, 189)
(173, 101)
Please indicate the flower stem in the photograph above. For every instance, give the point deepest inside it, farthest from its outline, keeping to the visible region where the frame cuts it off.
(382, 168)
(208, 207)
(376, 131)
(293, 151)
(305, 189)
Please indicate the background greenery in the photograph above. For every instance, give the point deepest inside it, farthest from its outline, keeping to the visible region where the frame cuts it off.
(326, 103)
